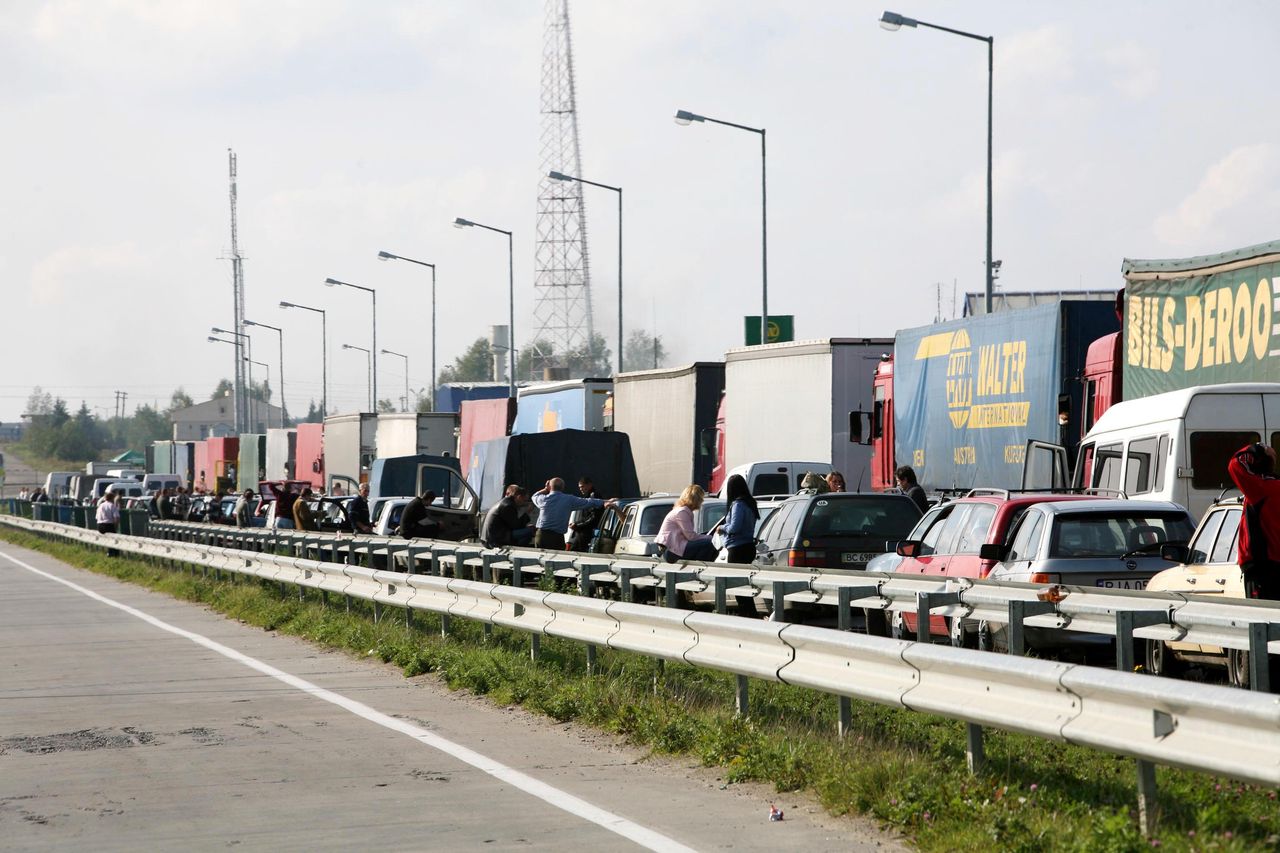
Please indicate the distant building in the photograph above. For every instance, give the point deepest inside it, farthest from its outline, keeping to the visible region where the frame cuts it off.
(216, 419)
(12, 431)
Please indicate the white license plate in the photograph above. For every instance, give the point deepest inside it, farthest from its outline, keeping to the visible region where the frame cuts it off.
(856, 557)
(1122, 583)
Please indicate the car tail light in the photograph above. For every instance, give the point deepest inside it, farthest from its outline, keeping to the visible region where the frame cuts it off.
(798, 557)
(1043, 577)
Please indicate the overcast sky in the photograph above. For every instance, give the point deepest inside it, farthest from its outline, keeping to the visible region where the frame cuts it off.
(1138, 129)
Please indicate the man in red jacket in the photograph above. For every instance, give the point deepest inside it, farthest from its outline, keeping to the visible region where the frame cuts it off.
(1252, 469)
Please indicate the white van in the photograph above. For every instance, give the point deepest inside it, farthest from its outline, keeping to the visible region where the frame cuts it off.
(125, 488)
(1173, 446)
(127, 474)
(777, 478)
(58, 483)
(153, 483)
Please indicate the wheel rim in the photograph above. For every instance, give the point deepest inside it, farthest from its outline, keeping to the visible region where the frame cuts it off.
(984, 636)
(1155, 657)
(898, 626)
(1238, 667)
(958, 633)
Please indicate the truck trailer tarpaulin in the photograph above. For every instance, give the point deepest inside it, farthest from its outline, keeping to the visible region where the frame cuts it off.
(531, 460)
(969, 394)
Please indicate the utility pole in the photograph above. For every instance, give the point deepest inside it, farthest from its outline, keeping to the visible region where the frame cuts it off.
(241, 405)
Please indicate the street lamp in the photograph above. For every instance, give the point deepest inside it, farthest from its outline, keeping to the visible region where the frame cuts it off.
(893, 22)
(373, 371)
(684, 118)
(368, 363)
(388, 256)
(279, 332)
(248, 403)
(511, 294)
(248, 393)
(406, 374)
(560, 176)
(324, 354)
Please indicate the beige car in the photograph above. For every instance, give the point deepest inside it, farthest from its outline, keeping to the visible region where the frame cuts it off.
(1209, 568)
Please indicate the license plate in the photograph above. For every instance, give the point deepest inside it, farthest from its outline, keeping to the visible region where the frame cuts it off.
(1122, 583)
(856, 557)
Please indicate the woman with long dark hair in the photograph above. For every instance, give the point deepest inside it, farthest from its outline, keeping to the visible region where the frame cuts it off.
(740, 522)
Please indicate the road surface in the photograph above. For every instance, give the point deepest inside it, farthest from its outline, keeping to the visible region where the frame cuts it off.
(131, 721)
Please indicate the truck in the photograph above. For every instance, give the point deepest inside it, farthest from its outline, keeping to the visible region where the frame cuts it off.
(223, 461)
(572, 404)
(412, 434)
(451, 395)
(201, 472)
(797, 401)
(670, 415)
(309, 455)
(959, 401)
(252, 461)
(172, 457)
(482, 420)
(350, 446)
(282, 445)
(531, 460)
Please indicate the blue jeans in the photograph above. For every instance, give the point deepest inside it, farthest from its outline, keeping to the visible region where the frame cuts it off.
(522, 536)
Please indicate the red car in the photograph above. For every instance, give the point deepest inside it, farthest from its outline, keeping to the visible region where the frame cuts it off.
(947, 542)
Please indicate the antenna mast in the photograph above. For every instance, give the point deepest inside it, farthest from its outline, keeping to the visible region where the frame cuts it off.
(237, 281)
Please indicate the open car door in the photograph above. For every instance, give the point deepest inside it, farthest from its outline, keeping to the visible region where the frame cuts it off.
(1044, 467)
(456, 506)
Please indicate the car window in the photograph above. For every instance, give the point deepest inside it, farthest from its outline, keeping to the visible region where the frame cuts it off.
(929, 540)
(1202, 545)
(1106, 469)
(771, 484)
(651, 518)
(1224, 548)
(925, 523)
(952, 529)
(1139, 474)
(1026, 541)
(710, 514)
(974, 531)
(790, 522)
(1210, 452)
(858, 516)
(1112, 534)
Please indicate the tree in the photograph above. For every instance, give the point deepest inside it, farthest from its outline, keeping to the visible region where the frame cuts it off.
(590, 358)
(385, 405)
(224, 388)
(474, 365)
(40, 402)
(533, 358)
(147, 425)
(643, 351)
(180, 399)
(313, 414)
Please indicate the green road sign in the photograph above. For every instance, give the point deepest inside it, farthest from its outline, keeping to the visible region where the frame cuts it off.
(782, 327)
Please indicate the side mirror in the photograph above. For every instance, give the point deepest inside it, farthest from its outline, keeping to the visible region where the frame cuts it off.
(859, 427)
(908, 548)
(992, 551)
(1175, 553)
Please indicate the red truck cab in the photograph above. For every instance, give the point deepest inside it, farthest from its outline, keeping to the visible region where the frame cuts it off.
(882, 462)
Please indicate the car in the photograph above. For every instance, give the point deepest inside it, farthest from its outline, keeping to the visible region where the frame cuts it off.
(948, 542)
(1098, 543)
(637, 528)
(1207, 567)
(834, 530)
(457, 517)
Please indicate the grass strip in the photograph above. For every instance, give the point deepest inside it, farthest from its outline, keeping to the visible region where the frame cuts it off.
(904, 769)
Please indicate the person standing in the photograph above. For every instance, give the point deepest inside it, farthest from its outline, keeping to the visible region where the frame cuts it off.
(241, 512)
(678, 535)
(416, 520)
(1252, 469)
(584, 529)
(554, 507)
(164, 505)
(303, 517)
(282, 519)
(181, 504)
(358, 511)
(739, 526)
(108, 518)
(505, 524)
(906, 477)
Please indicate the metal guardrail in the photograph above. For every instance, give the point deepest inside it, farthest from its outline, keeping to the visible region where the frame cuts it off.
(1125, 614)
(1199, 727)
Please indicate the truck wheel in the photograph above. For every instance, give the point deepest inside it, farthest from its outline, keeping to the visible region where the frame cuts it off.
(877, 622)
(1161, 660)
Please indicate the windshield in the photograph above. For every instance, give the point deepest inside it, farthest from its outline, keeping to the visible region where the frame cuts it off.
(891, 518)
(1117, 533)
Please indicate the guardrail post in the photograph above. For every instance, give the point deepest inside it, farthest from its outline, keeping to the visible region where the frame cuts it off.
(1260, 634)
(584, 580)
(625, 574)
(591, 658)
(1018, 611)
(1146, 798)
(673, 578)
(781, 589)
(535, 646)
(975, 751)
(925, 602)
(722, 594)
(741, 699)
(1126, 622)
(844, 622)
(486, 567)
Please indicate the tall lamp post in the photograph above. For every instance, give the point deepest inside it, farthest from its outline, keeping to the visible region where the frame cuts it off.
(248, 394)
(373, 349)
(249, 397)
(406, 374)
(560, 176)
(324, 354)
(893, 22)
(511, 295)
(368, 363)
(279, 332)
(388, 256)
(684, 117)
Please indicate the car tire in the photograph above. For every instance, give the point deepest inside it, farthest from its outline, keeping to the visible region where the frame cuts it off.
(963, 632)
(877, 622)
(897, 626)
(1160, 660)
(1238, 668)
(991, 640)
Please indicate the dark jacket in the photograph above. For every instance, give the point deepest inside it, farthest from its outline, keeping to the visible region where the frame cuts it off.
(916, 493)
(358, 513)
(502, 519)
(416, 520)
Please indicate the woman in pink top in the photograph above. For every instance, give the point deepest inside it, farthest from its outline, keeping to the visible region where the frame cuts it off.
(679, 536)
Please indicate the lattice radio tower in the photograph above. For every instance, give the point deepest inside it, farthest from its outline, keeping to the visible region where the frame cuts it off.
(241, 406)
(562, 314)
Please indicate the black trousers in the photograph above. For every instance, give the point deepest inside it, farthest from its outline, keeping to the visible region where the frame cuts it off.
(107, 527)
(550, 540)
(1262, 581)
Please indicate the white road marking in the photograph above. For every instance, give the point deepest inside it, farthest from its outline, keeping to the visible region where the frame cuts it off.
(641, 835)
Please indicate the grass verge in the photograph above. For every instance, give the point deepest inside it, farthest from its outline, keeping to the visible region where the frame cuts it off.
(905, 770)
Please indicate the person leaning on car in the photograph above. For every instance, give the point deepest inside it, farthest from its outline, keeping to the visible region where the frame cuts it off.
(1252, 469)
(303, 517)
(358, 511)
(554, 507)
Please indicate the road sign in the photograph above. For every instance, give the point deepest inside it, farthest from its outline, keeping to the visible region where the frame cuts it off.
(782, 327)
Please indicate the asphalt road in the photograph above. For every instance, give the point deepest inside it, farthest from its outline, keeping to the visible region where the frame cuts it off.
(169, 726)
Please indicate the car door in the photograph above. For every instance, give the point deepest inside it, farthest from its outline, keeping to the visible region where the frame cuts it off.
(927, 533)
(1044, 468)
(964, 560)
(778, 534)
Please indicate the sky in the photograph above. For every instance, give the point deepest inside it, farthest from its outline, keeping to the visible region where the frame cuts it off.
(1121, 129)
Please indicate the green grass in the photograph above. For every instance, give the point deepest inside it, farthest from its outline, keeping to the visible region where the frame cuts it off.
(905, 770)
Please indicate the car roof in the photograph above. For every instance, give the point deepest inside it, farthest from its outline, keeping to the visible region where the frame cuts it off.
(1110, 505)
